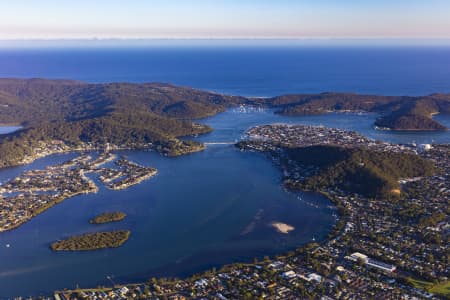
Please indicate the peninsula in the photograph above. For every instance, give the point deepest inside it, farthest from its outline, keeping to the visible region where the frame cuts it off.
(396, 112)
(62, 115)
(35, 191)
(126, 175)
(384, 245)
(391, 233)
(329, 158)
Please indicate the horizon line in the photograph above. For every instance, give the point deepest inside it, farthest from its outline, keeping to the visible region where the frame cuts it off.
(228, 38)
(29, 43)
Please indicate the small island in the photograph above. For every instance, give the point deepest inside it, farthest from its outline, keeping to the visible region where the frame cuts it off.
(35, 191)
(92, 241)
(108, 217)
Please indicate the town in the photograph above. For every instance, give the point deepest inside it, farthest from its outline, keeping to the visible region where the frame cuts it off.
(379, 248)
(129, 174)
(35, 191)
(55, 146)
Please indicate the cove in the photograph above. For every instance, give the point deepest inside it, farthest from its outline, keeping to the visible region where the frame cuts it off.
(8, 129)
(201, 210)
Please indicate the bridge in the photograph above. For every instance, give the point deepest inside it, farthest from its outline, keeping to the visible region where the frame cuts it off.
(220, 143)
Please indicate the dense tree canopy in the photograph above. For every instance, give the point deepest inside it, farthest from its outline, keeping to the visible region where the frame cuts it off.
(359, 170)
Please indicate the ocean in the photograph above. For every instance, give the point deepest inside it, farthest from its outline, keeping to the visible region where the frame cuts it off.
(246, 70)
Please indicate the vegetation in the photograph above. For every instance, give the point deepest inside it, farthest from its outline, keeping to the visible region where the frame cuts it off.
(127, 115)
(407, 122)
(440, 288)
(92, 241)
(154, 114)
(358, 170)
(398, 113)
(34, 100)
(416, 114)
(108, 217)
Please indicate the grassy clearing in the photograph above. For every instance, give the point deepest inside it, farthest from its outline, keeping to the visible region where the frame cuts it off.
(442, 289)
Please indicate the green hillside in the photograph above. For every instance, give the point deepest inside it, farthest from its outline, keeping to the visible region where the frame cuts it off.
(359, 170)
(397, 113)
(122, 114)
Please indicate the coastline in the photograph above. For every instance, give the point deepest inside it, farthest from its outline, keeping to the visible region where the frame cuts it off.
(47, 207)
(324, 193)
(45, 153)
(409, 130)
(75, 183)
(10, 125)
(363, 112)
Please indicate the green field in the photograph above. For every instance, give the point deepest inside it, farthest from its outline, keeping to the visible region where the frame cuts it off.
(442, 289)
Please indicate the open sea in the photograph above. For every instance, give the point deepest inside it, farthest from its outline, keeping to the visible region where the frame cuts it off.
(212, 207)
(246, 70)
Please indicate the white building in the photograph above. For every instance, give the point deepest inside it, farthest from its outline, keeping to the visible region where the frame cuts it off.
(359, 256)
(289, 275)
(424, 147)
(372, 262)
(315, 277)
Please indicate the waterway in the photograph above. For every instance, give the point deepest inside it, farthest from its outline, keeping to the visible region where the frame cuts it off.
(201, 210)
(8, 129)
(211, 207)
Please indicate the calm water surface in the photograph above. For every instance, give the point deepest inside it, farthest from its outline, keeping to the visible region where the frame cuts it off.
(8, 129)
(246, 70)
(200, 210)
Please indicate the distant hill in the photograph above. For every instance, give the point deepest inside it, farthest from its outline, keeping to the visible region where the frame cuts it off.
(128, 114)
(397, 113)
(36, 100)
(360, 170)
(118, 113)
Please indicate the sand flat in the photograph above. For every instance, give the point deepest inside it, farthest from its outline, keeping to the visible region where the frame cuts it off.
(282, 227)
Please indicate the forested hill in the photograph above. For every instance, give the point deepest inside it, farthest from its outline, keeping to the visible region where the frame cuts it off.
(35, 100)
(122, 114)
(397, 113)
(132, 115)
(364, 171)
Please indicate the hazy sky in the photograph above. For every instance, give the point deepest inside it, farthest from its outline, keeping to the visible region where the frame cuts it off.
(24, 19)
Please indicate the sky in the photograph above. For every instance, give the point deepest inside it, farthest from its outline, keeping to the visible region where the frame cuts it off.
(223, 19)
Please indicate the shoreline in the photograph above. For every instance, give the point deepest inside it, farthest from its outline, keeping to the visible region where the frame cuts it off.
(11, 125)
(82, 185)
(56, 202)
(387, 129)
(281, 227)
(326, 239)
(30, 159)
